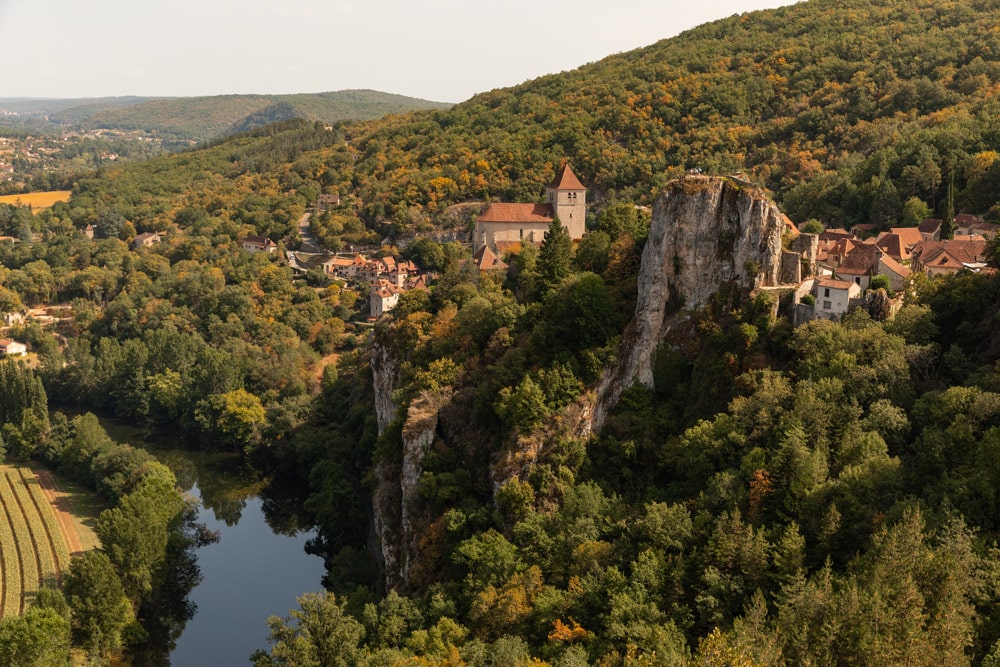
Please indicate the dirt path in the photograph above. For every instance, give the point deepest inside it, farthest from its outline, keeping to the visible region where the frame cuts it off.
(59, 500)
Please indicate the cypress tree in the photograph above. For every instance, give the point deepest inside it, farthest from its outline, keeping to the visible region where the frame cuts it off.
(556, 256)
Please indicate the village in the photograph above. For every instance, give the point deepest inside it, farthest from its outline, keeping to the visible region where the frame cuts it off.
(844, 264)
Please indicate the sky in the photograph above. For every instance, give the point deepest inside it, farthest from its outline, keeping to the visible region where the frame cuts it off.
(442, 50)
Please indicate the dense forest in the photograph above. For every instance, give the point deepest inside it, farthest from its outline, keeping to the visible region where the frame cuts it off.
(814, 495)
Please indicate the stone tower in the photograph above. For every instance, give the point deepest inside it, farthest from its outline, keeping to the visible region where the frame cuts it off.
(568, 199)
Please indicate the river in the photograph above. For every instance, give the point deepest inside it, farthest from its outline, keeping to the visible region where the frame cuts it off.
(252, 572)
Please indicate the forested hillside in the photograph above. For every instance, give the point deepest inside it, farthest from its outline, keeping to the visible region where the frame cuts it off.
(845, 110)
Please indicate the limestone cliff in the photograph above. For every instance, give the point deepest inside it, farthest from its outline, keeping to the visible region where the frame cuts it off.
(385, 375)
(711, 238)
(386, 492)
(396, 480)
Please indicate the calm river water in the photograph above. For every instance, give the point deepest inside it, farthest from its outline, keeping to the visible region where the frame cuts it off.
(251, 573)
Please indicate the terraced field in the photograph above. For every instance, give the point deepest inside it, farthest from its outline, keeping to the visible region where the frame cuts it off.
(33, 552)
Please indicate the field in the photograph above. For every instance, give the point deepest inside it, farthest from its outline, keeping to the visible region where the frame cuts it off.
(36, 200)
(34, 537)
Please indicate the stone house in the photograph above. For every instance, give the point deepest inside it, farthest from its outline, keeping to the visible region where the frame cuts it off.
(12, 348)
(145, 240)
(833, 297)
(254, 244)
(937, 258)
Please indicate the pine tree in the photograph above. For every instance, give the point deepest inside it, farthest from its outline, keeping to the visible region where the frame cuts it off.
(948, 224)
(556, 256)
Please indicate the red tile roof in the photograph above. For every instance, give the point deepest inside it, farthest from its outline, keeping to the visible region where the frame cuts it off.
(566, 180)
(971, 251)
(835, 284)
(930, 225)
(861, 261)
(894, 266)
(486, 260)
(894, 246)
(909, 235)
(517, 213)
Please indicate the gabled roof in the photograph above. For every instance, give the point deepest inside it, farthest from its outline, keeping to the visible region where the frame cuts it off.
(566, 180)
(501, 212)
(895, 267)
(486, 260)
(966, 219)
(894, 246)
(861, 261)
(930, 225)
(962, 251)
(910, 236)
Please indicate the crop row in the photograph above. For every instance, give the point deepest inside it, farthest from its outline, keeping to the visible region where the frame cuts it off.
(32, 550)
(13, 574)
(57, 543)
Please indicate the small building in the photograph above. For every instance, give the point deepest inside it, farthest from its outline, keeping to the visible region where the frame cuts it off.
(930, 229)
(254, 244)
(833, 297)
(88, 231)
(145, 240)
(327, 201)
(384, 298)
(12, 348)
(936, 258)
(487, 260)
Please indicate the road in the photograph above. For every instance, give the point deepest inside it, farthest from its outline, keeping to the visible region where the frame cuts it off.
(309, 243)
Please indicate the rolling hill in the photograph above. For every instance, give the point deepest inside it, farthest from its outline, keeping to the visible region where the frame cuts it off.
(205, 118)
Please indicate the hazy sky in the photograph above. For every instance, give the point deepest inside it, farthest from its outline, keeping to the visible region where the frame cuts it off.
(445, 50)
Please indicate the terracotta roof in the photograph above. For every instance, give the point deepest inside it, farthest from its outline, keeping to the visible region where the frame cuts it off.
(834, 234)
(517, 213)
(566, 180)
(790, 225)
(965, 219)
(261, 241)
(486, 260)
(861, 261)
(894, 246)
(930, 225)
(909, 235)
(894, 266)
(835, 284)
(971, 251)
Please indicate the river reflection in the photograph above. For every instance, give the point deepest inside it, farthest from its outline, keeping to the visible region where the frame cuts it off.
(252, 572)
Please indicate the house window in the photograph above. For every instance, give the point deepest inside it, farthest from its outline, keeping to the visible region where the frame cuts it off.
(520, 234)
(826, 291)
(857, 280)
(827, 305)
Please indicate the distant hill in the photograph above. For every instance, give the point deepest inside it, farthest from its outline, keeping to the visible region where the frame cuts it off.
(204, 118)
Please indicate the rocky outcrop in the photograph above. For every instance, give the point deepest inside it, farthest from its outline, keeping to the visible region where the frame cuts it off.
(711, 240)
(386, 493)
(397, 481)
(385, 375)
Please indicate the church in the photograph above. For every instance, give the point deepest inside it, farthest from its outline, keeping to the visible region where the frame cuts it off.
(502, 225)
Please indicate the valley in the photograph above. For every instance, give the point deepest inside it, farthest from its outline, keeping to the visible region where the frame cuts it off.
(687, 356)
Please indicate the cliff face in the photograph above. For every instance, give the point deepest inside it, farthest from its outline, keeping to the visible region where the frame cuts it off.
(396, 481)
(710, 238)
(386, 494)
